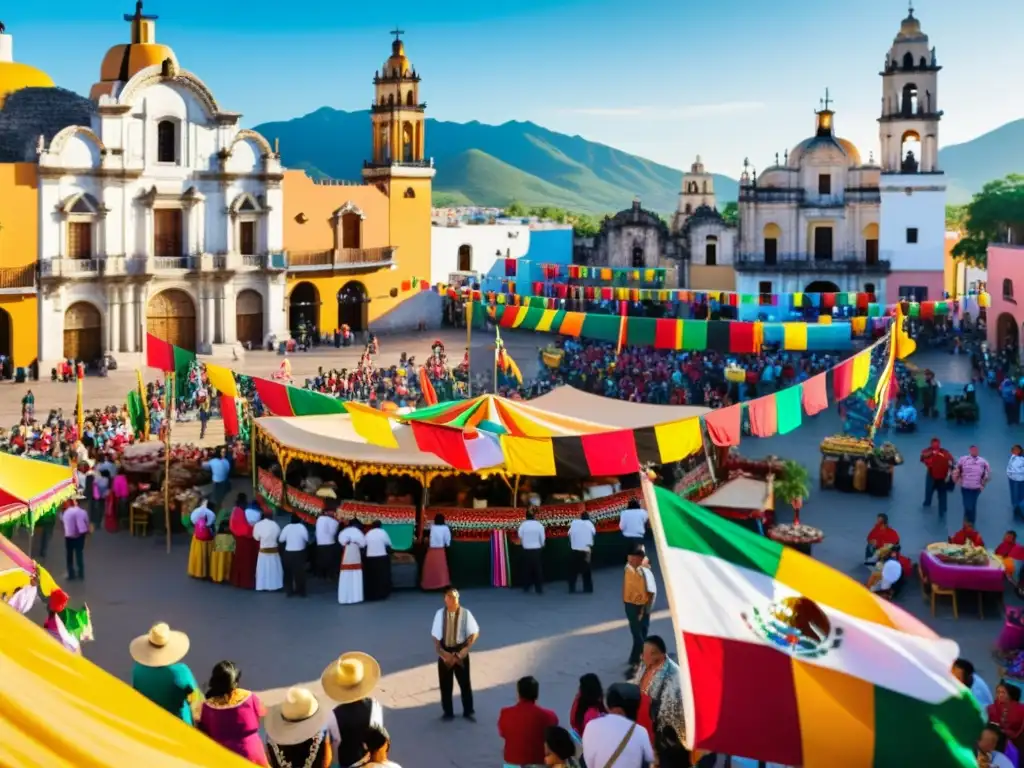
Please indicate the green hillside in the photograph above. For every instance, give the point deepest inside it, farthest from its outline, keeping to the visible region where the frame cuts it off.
(990, 156)
(494, 164)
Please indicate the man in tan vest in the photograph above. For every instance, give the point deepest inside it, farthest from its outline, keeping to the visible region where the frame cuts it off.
(638, 593)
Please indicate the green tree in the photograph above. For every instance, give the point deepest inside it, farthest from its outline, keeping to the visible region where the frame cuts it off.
(731, 213)
(516, 210)
(998, 207)
(956, 218)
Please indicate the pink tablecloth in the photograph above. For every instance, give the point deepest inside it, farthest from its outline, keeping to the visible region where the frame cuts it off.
(981, 578)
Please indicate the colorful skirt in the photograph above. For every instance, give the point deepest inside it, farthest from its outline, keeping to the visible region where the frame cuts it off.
(220, 566)
(435, 569)
(199, 558)
(243, 564)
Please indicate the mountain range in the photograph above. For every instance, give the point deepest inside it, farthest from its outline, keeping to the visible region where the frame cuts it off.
(493, 165)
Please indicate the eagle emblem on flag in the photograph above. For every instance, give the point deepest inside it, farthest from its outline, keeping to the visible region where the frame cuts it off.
(796, 625)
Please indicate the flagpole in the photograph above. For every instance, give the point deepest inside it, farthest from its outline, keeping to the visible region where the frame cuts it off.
(495, 367)
(169, 411)
(252, 452)
(468, 314)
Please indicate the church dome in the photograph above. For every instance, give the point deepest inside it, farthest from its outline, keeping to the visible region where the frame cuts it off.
(808, 147)
(125, 60)
(14, 75)
(397, 64)
(910, 27)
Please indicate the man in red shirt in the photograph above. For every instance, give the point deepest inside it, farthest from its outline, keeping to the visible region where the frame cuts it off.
(938, 463)
(879, 536)
(965, 534)
(522, 726)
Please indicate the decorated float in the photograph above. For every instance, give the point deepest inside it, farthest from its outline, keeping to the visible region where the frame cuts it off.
(309, 465)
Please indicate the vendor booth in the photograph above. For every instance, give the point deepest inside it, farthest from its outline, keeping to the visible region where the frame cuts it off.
(484, 506)
(746, 500)
(31, 490)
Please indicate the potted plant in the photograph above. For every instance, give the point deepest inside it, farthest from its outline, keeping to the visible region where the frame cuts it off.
(792, 486)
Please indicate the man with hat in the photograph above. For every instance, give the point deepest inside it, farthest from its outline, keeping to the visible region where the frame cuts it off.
(616, 739)
(454, 632)
(297, 731)
(349, 681)
(638, 592)
(159, 673)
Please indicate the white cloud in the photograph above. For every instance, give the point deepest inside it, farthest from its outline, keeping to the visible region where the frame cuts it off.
(692, 111)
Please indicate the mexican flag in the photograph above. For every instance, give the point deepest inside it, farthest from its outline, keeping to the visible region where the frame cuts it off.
(786, 660)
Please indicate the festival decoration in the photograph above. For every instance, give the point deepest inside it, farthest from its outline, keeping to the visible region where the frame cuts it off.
(500, 567)
(750, 612)
(727, 336)
(31, 490)
(503, 361)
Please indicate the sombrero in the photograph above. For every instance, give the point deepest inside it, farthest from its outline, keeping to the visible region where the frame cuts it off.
(350, 677)
(296, 719)
(160, 647)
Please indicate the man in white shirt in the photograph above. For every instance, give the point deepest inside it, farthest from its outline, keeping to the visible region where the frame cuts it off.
(377, 563)
(295, 538)
(581, 544)
(328, 551)
(531, 537)
(633, 524)
(616, 739)
(454, 632)
(892, 571)
(963, 670)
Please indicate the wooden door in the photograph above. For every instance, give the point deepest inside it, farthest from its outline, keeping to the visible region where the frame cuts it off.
(351, 230)
(83, 332)
(247, 238)
(167, 232)
(249, 318)
(172, 317)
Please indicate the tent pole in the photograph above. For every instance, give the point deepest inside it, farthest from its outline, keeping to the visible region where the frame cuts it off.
(515, 492)
(468, 315)
(169, 410)
(252, 452)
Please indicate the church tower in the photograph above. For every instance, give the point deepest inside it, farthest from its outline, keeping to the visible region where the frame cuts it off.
(698, 189)
(399, 165)
(913, 187)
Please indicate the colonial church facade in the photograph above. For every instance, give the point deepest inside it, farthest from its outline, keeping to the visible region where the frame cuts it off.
(822, 218)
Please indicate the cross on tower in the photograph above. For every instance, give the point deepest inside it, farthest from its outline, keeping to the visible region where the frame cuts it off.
(826, 101)
(397, 32)
(911, 7)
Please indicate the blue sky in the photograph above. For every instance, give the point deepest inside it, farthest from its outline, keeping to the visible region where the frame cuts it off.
(665, 79)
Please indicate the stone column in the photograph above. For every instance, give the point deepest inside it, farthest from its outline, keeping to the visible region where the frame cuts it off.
(218, 303)
(206, 299)
(114, 309)
(130, 318)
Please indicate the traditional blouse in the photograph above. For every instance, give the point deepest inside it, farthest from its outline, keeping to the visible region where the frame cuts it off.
(312, 753)
(224, 542)
(233, 721)
(1009, 716)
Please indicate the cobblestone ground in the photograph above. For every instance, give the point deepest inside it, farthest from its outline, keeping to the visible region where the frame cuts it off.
(131, 583)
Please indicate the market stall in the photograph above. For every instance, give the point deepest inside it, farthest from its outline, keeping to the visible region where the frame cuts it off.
(31, 490)
(855, 465)
(744, 499)
(18, 571)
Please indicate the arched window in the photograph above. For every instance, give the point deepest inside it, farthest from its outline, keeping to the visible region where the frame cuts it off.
(1007, 288)
(638, 257)
(711, 250)
(688, 209)
(923, 63)
(409, 193)
(391, 99)
(869, 288)
(705, 187)
(408, 99)
(910, 102)
(166, 142)
(908, 60)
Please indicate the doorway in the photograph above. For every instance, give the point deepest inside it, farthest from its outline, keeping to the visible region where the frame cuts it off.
(171, 317)
(1007, 332)
(167, 232)
(353, 306)
(83, 332)
(6, 334)
(821, 286)
(303, 309)
(465, 258)
(823, 243)
(249, 318)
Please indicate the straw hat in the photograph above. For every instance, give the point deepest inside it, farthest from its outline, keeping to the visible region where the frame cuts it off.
(160, 647)
(351, 677)
(298, 718)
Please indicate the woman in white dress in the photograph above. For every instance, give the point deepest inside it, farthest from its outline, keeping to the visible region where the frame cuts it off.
(269, 571)
(350, 580)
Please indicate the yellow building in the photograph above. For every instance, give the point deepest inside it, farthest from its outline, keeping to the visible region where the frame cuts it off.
(352, 246)
(19, 218)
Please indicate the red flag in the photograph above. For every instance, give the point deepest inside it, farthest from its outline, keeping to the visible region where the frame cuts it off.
(159, 354)
(230, 415)
(427, 388)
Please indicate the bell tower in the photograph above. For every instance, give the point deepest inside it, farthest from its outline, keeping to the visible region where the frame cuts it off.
(397, 114)
(698, 189)
(912, 219)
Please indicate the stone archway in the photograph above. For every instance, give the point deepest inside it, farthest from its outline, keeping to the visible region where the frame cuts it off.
(249, 318)
(83, 332)
(1007, 332)
(303, 309)
(171, 317)
(353, 306)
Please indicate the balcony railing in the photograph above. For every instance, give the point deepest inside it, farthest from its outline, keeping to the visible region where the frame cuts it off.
(340, 259)
(18, 278)
(64, 266)
(252, 260)
(842, 261)
(428, 163)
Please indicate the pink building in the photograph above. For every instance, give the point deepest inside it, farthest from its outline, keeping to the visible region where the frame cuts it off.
(1005, 316)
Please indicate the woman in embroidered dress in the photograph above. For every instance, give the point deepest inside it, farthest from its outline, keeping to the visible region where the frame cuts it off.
(658, 678)
(350, 580)
(231, 715)
(247, 549)
(435, 564)
(297, 734)
(202, 520)
(223, 554)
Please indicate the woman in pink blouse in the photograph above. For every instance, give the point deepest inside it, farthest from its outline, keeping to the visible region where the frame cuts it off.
(588, 704)
(231, 715)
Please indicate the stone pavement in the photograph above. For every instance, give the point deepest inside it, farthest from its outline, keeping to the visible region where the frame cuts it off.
(556, 637)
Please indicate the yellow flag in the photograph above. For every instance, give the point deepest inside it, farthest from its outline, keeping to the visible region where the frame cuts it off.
(372, 425)
(222, 379)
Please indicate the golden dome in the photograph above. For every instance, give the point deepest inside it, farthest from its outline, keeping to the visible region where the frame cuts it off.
(397, 64)
(808, 146)
(910, 27)
(14, 76)
(124, 61)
